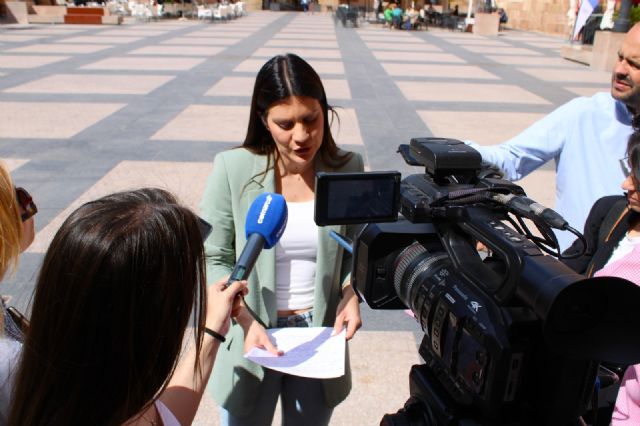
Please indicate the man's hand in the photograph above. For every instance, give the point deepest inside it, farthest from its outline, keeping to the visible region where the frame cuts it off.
(348, 313)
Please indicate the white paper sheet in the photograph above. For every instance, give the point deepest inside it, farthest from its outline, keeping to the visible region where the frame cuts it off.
(308, 352)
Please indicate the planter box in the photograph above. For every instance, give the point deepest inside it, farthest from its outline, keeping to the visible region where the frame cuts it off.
(91, 16)
(605, 50)
(486, 24)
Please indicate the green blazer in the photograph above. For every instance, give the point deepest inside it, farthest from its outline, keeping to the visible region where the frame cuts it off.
(233, 185)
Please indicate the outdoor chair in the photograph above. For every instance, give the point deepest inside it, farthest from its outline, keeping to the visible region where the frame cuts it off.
(141, 12)
(240, 6)
(204, 12)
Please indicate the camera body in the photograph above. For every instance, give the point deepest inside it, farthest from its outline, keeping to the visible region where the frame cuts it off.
(514, 337)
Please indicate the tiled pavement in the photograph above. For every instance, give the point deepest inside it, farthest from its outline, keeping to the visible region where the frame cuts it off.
(88, 110)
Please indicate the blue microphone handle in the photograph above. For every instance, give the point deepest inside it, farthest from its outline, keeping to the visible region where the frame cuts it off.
(247, 258)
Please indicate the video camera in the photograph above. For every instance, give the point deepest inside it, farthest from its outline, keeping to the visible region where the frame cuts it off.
(513, 337)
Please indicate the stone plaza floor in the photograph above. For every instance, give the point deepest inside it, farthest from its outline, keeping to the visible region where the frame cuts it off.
(89, 110)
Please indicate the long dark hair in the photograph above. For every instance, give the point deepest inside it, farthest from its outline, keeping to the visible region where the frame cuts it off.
(280, 78)
(113, 299)
(633, 154)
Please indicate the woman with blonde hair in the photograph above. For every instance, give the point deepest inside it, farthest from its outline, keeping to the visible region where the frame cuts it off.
(16, 233)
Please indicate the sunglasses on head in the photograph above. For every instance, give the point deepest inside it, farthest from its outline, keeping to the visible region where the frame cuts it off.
(25, 201)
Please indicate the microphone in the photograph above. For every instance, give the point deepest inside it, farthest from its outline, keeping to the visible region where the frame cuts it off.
(264, 225)
(550, 216)
(531, 209)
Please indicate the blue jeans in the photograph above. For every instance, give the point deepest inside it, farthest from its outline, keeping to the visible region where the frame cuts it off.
(302, 398)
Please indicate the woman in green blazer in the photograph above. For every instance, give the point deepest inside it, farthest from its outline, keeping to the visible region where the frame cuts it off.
(304, 280)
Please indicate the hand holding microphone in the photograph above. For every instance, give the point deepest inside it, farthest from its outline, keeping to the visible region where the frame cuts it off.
(264, 225)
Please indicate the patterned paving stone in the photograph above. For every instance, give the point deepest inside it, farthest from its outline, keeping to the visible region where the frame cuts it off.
(321, 67)
(587, 91)
(497, 126)
(178, 50)
(347, 130)
(267, 52)
(569, 76)
(485, 42)
(399, 47)
(11, 38)
(500, 51)
(303, 44)
(305, 36)
(419, 56)
(210, 123)
(243, 86)
(14, 163)
(529, 60)
(60, 48)
(546, 45)
(135, 33)
(149, 64)
(123, 84)
(51, 120)
(197, 41)
(24, 61)
(448, 71)
(397, 40)
(236, 35)
(232, 86)
(54, 31)
(91, 39)
(454, 92)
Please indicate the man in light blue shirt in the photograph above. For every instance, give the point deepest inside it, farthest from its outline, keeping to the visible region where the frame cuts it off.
(587, 137)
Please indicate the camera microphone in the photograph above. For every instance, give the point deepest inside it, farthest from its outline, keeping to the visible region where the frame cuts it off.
(550, 216)
(531, 209)
(515, 203)
(264, 225)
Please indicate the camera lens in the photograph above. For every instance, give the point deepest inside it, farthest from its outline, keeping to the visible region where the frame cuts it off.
(413, 268)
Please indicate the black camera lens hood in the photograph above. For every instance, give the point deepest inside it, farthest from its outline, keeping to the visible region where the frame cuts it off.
(596, 319)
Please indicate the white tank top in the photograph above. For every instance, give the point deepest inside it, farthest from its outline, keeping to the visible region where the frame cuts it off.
(296, 258)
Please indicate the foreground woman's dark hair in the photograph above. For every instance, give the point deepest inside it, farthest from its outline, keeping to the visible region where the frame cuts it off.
(114, 296)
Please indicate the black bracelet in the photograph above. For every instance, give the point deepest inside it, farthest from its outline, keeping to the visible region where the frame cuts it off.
(215, 335)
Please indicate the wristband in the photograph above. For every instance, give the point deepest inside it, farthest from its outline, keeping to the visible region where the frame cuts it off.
(214, 334)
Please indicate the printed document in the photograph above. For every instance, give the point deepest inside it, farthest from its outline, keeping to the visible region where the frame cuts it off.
(308, 352)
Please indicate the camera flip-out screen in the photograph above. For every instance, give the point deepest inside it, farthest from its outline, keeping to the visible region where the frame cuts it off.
(365, 197)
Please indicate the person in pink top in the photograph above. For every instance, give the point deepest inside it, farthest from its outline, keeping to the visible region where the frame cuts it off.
(612, 232)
